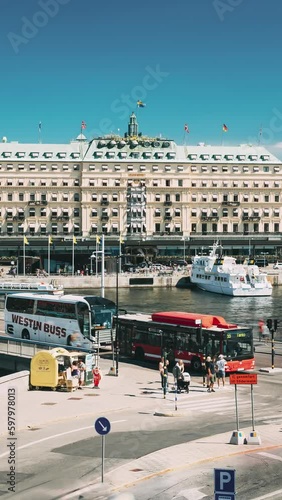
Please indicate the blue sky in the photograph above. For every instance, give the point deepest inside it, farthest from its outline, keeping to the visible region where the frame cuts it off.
(201, 62)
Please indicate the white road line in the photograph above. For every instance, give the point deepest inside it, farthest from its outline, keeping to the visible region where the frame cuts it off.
(269, 495)
(270, 455)
(55, 436)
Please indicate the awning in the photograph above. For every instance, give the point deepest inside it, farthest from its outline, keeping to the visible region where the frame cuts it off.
(32, 225)
(42, 224)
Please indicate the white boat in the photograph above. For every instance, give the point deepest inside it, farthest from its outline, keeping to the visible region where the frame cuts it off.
(221, 274)
(9, 287)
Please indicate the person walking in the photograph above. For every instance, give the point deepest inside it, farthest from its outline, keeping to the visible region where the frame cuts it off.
(220, 369)
(178, 375)
(81, 373)
(261, 326)
(210, 369)
(162, 365)
(96, 377)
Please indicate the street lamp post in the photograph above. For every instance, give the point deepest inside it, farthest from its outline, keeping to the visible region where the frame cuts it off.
(117, 313)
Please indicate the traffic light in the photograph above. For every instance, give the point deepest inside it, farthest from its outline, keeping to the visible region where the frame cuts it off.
(275, 324)
(269, 323)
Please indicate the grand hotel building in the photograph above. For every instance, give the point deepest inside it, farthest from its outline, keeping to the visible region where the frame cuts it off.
(160, 197)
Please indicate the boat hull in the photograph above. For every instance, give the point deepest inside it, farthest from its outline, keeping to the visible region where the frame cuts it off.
(236, 292)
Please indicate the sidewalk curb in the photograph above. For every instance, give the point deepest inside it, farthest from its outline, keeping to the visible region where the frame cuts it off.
(175, 414)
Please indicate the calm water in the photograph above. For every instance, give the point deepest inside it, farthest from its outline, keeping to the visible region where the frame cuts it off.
(243, 310)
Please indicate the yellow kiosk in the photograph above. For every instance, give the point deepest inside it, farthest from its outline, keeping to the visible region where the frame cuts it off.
(53, 369)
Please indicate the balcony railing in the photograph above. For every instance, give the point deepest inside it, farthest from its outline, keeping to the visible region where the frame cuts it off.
(37, 203)
(252, 218)
(168, 203)
(231, 203)
(105, 203)
(210, 218)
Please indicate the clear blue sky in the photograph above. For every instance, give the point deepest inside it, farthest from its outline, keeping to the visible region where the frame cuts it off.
(219, 64)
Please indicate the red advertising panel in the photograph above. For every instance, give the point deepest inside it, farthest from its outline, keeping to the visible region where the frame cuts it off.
(243, 378)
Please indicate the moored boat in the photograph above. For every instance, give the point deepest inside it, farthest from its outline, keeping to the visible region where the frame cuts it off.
(221, 274)
(9, 287)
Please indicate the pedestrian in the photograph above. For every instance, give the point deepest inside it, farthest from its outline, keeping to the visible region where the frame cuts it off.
(210, 370)
(96, 377)
(74, 369)
(220, 369)
(162, 365)
(81, 373)
(178, 375)
(261, 326)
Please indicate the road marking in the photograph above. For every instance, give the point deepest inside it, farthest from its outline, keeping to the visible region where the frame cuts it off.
(270, 455)
(28, 445)
(269, 495)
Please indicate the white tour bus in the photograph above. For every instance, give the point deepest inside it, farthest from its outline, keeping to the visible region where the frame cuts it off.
(62, 320)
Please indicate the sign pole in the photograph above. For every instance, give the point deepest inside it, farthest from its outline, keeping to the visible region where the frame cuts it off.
(103, 456)
(236, 408)
(252, 405)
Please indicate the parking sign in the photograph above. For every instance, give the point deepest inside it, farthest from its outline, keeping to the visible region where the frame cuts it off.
(224, 484)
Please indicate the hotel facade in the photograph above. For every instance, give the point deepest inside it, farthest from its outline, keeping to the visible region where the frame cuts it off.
(156, 197)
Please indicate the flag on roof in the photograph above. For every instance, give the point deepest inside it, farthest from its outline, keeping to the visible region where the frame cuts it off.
(224, 128)
(141, 104)
(98, 239)
(26, 241)
(39, 126)
(50, 240)
(83, 125)
(186, 128)
(74, 240)
(121, 240)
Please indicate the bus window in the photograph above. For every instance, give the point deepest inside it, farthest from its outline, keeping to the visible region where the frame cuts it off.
(83, 318)
(20, 305)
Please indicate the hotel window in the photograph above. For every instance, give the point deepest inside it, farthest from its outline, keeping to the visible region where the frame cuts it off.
(177, 197)
(94, 212)
(225, 228)
(245, 184)
(266, 212)
(235, 169)
(204, 169)
(32, 197)
(193, 228)
(214, 228)
(104, 182)
(167, 183)
(21, 197)
(179, 167)
(76, 212)
(276, 198)
(20, 167)
(129, 168)
(115, 212)
(94, 197)
(256, 198)
(246, 197)
(142, 168)
(276, 213)
(54, 167)
(117, 182)
(177, 212)
(158, 197)
(193, 169)
(245, 169)
(92, 167)
(204, 197)
(204, 183)
(43, 167)
(214, 169)
(91, 182)
(43, 183)
(155, 168)
(194, 184)
(65, 197)
(266, 227)
(115, 197)
(157, 212)
(225, 184)
(10, 197)
(214, 197)
(54, 197)
(76, 182)
(117, 168)
(180, 182)
(54, 183)
(276, 227)
(105, 167)
(65, 167)
(32, 212)
(155, 182)
(256, 184)
(235, 212)
(193, 213)
(224, 169)
(276, 184)
(224, 212)
(266, 198)
(214, 184)
(235, 228)
(256, 213)
(31, 167)
(76, 167)
(65, 183)
(256, 169)
(276, 169)
(235, 197)
(266, 169)
(9, 183)
(194, 197)
(43, 212)
(266, 184)
(256, 227)
(76, 197)
(235, 184)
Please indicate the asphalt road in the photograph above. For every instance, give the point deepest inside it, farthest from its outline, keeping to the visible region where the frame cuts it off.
(49, 466)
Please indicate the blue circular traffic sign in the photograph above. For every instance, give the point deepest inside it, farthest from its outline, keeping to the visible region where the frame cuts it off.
(102, 426)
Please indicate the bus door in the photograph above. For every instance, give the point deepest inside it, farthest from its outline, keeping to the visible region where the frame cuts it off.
(84, 321)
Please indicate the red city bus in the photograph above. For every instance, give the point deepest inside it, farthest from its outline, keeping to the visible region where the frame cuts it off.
(187, 336)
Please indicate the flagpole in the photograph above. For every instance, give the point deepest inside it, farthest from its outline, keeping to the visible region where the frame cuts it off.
(73, 255)
(24, 255)
(103, 267)
(96, 258)
(119, 253)
(222, 136)
(39, 132)
(260, 132)
(48, 266)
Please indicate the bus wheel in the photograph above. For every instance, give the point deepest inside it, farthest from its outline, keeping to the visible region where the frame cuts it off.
(139, 354)
(25, 335)
(196, 364)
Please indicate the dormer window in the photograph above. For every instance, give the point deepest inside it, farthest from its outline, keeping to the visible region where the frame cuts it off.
(110, 154)
(61, 155)
(7, 154)
(147, 154)
(75, 155)
(20, 154)
(122, 154)
(192, 156)
(253, 157)
(98, 154)
(48, 154)
(205, 156)
(160, 154)
(171, 155)
(241, 157)
(217, 157)
(34, 154)
(265, 157)
(229, 157)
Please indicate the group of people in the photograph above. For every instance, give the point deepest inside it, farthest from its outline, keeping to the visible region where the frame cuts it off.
(78, 370)
(214, 369)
